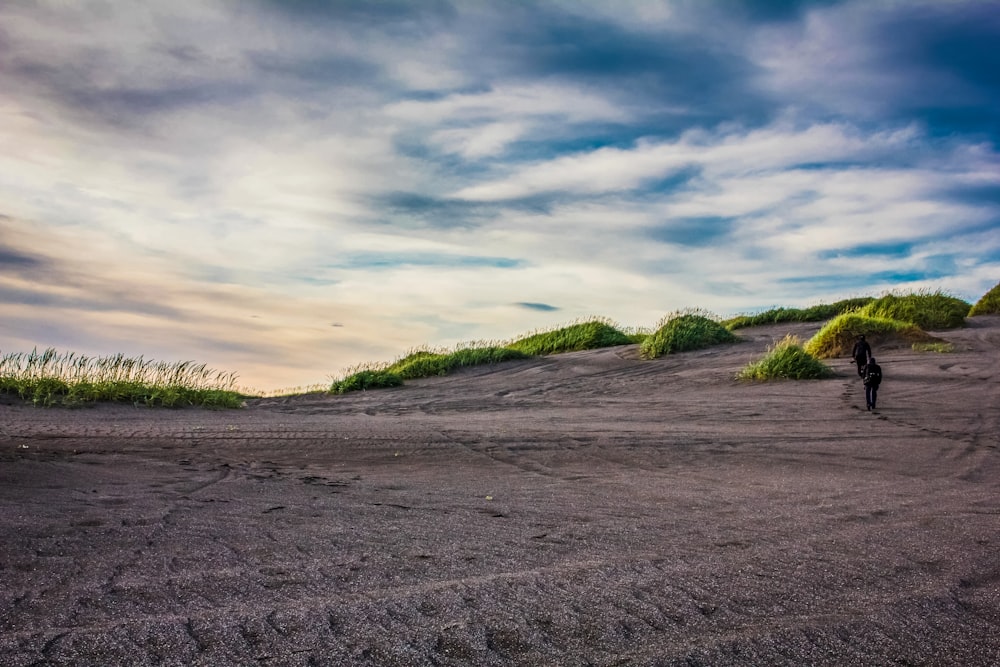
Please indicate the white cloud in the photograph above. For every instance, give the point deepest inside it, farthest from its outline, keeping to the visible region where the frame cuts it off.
(509, 101)
(481, 141)
(718, 154)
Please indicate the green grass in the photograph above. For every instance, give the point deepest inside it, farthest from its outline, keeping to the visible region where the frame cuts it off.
(421, 364)
(837, 337)
(588, 335)
(51, 378)
(816, 313)
(942, 347)
(425, 363)
(366, 379)
(786, 360)
(928, 310)
(988, 304)
(680, 332)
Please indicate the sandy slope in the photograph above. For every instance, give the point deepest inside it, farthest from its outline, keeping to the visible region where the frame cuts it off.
(587, 508)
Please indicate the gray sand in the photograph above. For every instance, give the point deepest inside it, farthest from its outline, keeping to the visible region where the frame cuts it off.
(583, 509)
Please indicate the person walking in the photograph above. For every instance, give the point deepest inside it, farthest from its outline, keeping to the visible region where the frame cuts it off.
(861, 354)
(872, 378)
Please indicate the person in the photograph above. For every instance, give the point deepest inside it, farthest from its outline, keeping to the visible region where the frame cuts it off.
(861, 353)
(872, 379)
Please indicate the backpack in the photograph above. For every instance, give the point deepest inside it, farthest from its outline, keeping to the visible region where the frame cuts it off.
(873, 375)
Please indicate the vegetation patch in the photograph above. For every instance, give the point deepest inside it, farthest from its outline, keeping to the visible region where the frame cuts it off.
(927, 310)
(816, 313)
(368, 378)
(680, 332)
(942, 347)
(425, 363)
(837, 337)
(51, 378)
(421, 364)
(988, 304)
(786, 360)
(589, 335)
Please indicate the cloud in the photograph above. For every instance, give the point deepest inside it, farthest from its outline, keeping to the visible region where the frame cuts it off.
(476, 142)
(925, 60)
(722, 153)
(543, 307)
(534, 100)
(397, 260)
(12, 260)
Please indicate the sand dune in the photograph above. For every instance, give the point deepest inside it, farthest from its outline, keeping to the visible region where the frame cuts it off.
(585, 508)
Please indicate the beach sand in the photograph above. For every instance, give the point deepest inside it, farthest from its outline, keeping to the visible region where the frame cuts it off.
(581, 509)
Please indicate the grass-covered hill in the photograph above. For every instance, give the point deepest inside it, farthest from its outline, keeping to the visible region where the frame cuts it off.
(989, 304)
(837, 337)
(818, 313)
(681, 332)
(890, 321)
(587, 335)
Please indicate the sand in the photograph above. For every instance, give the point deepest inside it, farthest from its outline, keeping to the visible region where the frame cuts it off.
(582, 509)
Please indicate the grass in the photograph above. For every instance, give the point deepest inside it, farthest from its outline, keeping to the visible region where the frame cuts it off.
(786, 360)
(816, 313)
(420, 364)
(425, 363)
(683, 331)
(52, 378)
(369, 378)
(587, 335)
(988, 304)
(928, 310)
(942, 347)
(837, 337)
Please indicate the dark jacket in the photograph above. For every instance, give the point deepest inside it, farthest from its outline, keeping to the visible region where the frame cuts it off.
(873, 375)
(862, 350)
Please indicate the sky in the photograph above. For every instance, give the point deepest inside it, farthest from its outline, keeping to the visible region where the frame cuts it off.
(286, 189)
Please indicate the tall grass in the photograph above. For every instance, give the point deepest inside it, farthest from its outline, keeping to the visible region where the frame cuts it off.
(364, 379)
(928, 310)
(837, 337)
(816, 313)
(786, 360)
(988, 304)
(53, 378)
(427, 363)
(419, 364)
(682, 331)
(586, 335)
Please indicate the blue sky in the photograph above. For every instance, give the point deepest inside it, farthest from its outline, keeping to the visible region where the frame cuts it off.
(284, 189)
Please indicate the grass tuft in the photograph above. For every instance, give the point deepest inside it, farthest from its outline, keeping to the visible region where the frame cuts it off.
(942, 347)
(51, 378)
(928, 310)
(682, 331)
(837, 337)
(988, 304)
(786, 360)
(426, 363)
(816, 313)
(366, 379)
(587, 335)
(420, 364)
